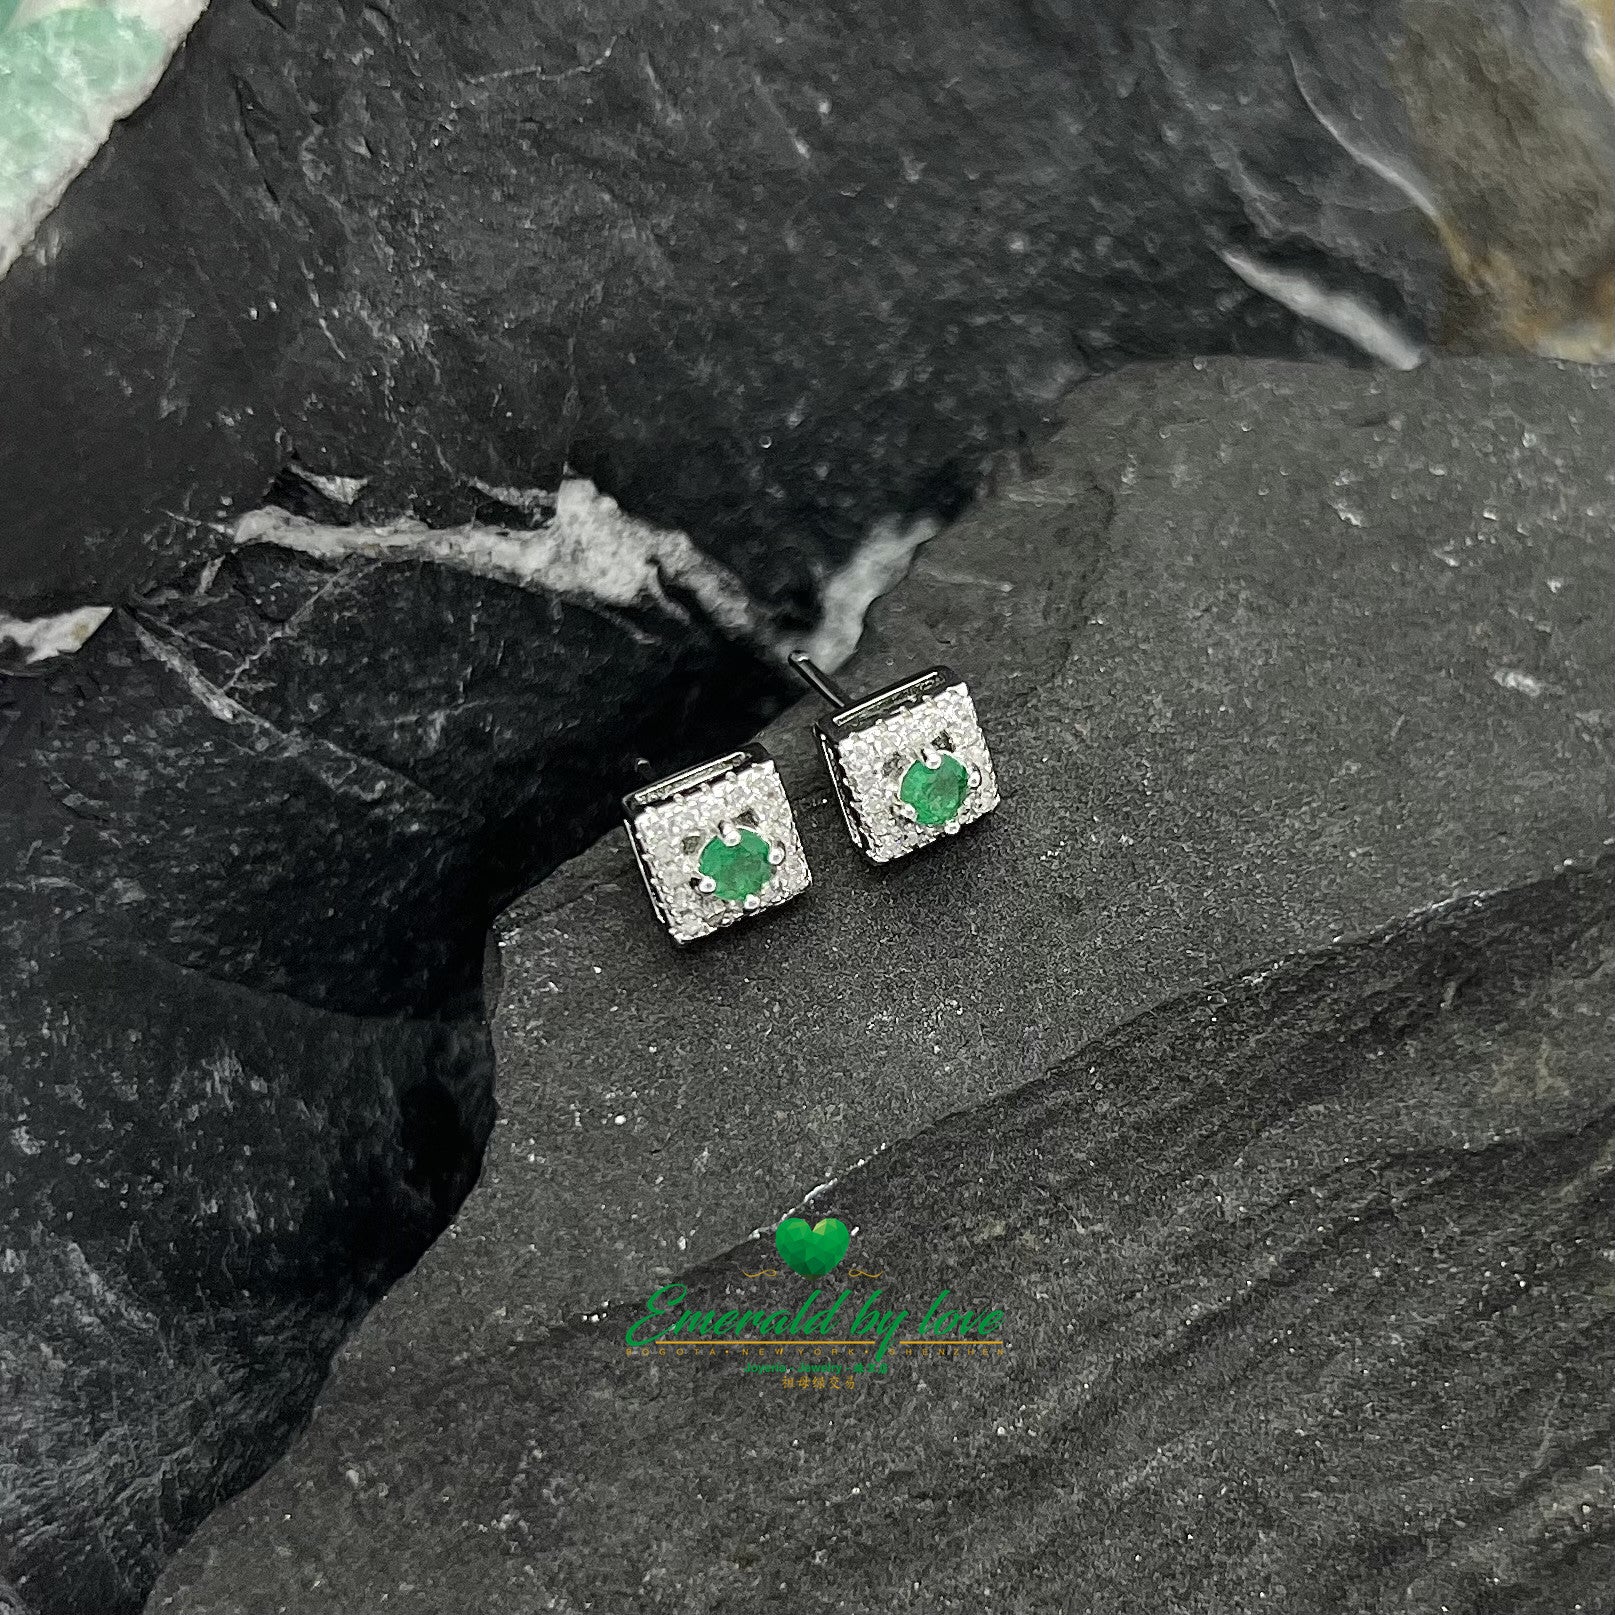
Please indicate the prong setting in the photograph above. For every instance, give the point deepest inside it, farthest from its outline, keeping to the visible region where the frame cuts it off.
(716, 844)
(899, 786)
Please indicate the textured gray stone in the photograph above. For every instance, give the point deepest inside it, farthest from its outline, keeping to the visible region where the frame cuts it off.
(1306, 1310)
(766, 274)
(1256, 1048)
(1262, 698)
(201, 1189)
(769, 280)
(252, 835)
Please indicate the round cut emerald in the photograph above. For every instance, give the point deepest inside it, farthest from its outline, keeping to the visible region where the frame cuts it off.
(740, 871)
(936, 794)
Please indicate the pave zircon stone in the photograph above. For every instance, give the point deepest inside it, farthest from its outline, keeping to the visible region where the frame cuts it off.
(936, 794)
(739, 871)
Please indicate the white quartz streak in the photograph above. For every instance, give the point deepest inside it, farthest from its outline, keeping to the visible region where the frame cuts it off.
(41, 637)
(590, 550)
(879, 564)
(1345, 313)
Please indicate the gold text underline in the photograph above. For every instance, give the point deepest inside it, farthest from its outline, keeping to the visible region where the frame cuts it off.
(780, 1344)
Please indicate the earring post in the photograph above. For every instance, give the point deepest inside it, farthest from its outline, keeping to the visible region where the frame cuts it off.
(818, 681)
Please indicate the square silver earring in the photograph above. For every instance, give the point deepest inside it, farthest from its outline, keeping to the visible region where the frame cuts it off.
(909, 763)
(716, 843)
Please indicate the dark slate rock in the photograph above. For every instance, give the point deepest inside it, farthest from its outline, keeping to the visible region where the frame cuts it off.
(254, 834)
(1254, 1056)
(767, 275)
(203, 1188)
(1304, 1310)
(320, 779)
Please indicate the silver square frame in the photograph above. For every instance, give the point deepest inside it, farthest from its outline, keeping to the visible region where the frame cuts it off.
(870, 745)
(670, 821)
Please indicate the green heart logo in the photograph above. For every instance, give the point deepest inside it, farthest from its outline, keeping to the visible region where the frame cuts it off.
(814, 1251)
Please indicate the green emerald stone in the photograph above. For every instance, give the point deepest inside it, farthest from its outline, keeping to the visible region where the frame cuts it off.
(936, 794)
(740, 871)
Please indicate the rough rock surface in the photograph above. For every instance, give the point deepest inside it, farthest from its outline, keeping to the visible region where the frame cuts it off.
(1305, 1307)
(1253, 1057)
(202, 1192)
(769, 281)
(255, 832)
(766, 278)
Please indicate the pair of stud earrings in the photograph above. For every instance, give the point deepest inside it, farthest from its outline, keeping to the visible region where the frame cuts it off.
(718, 842)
